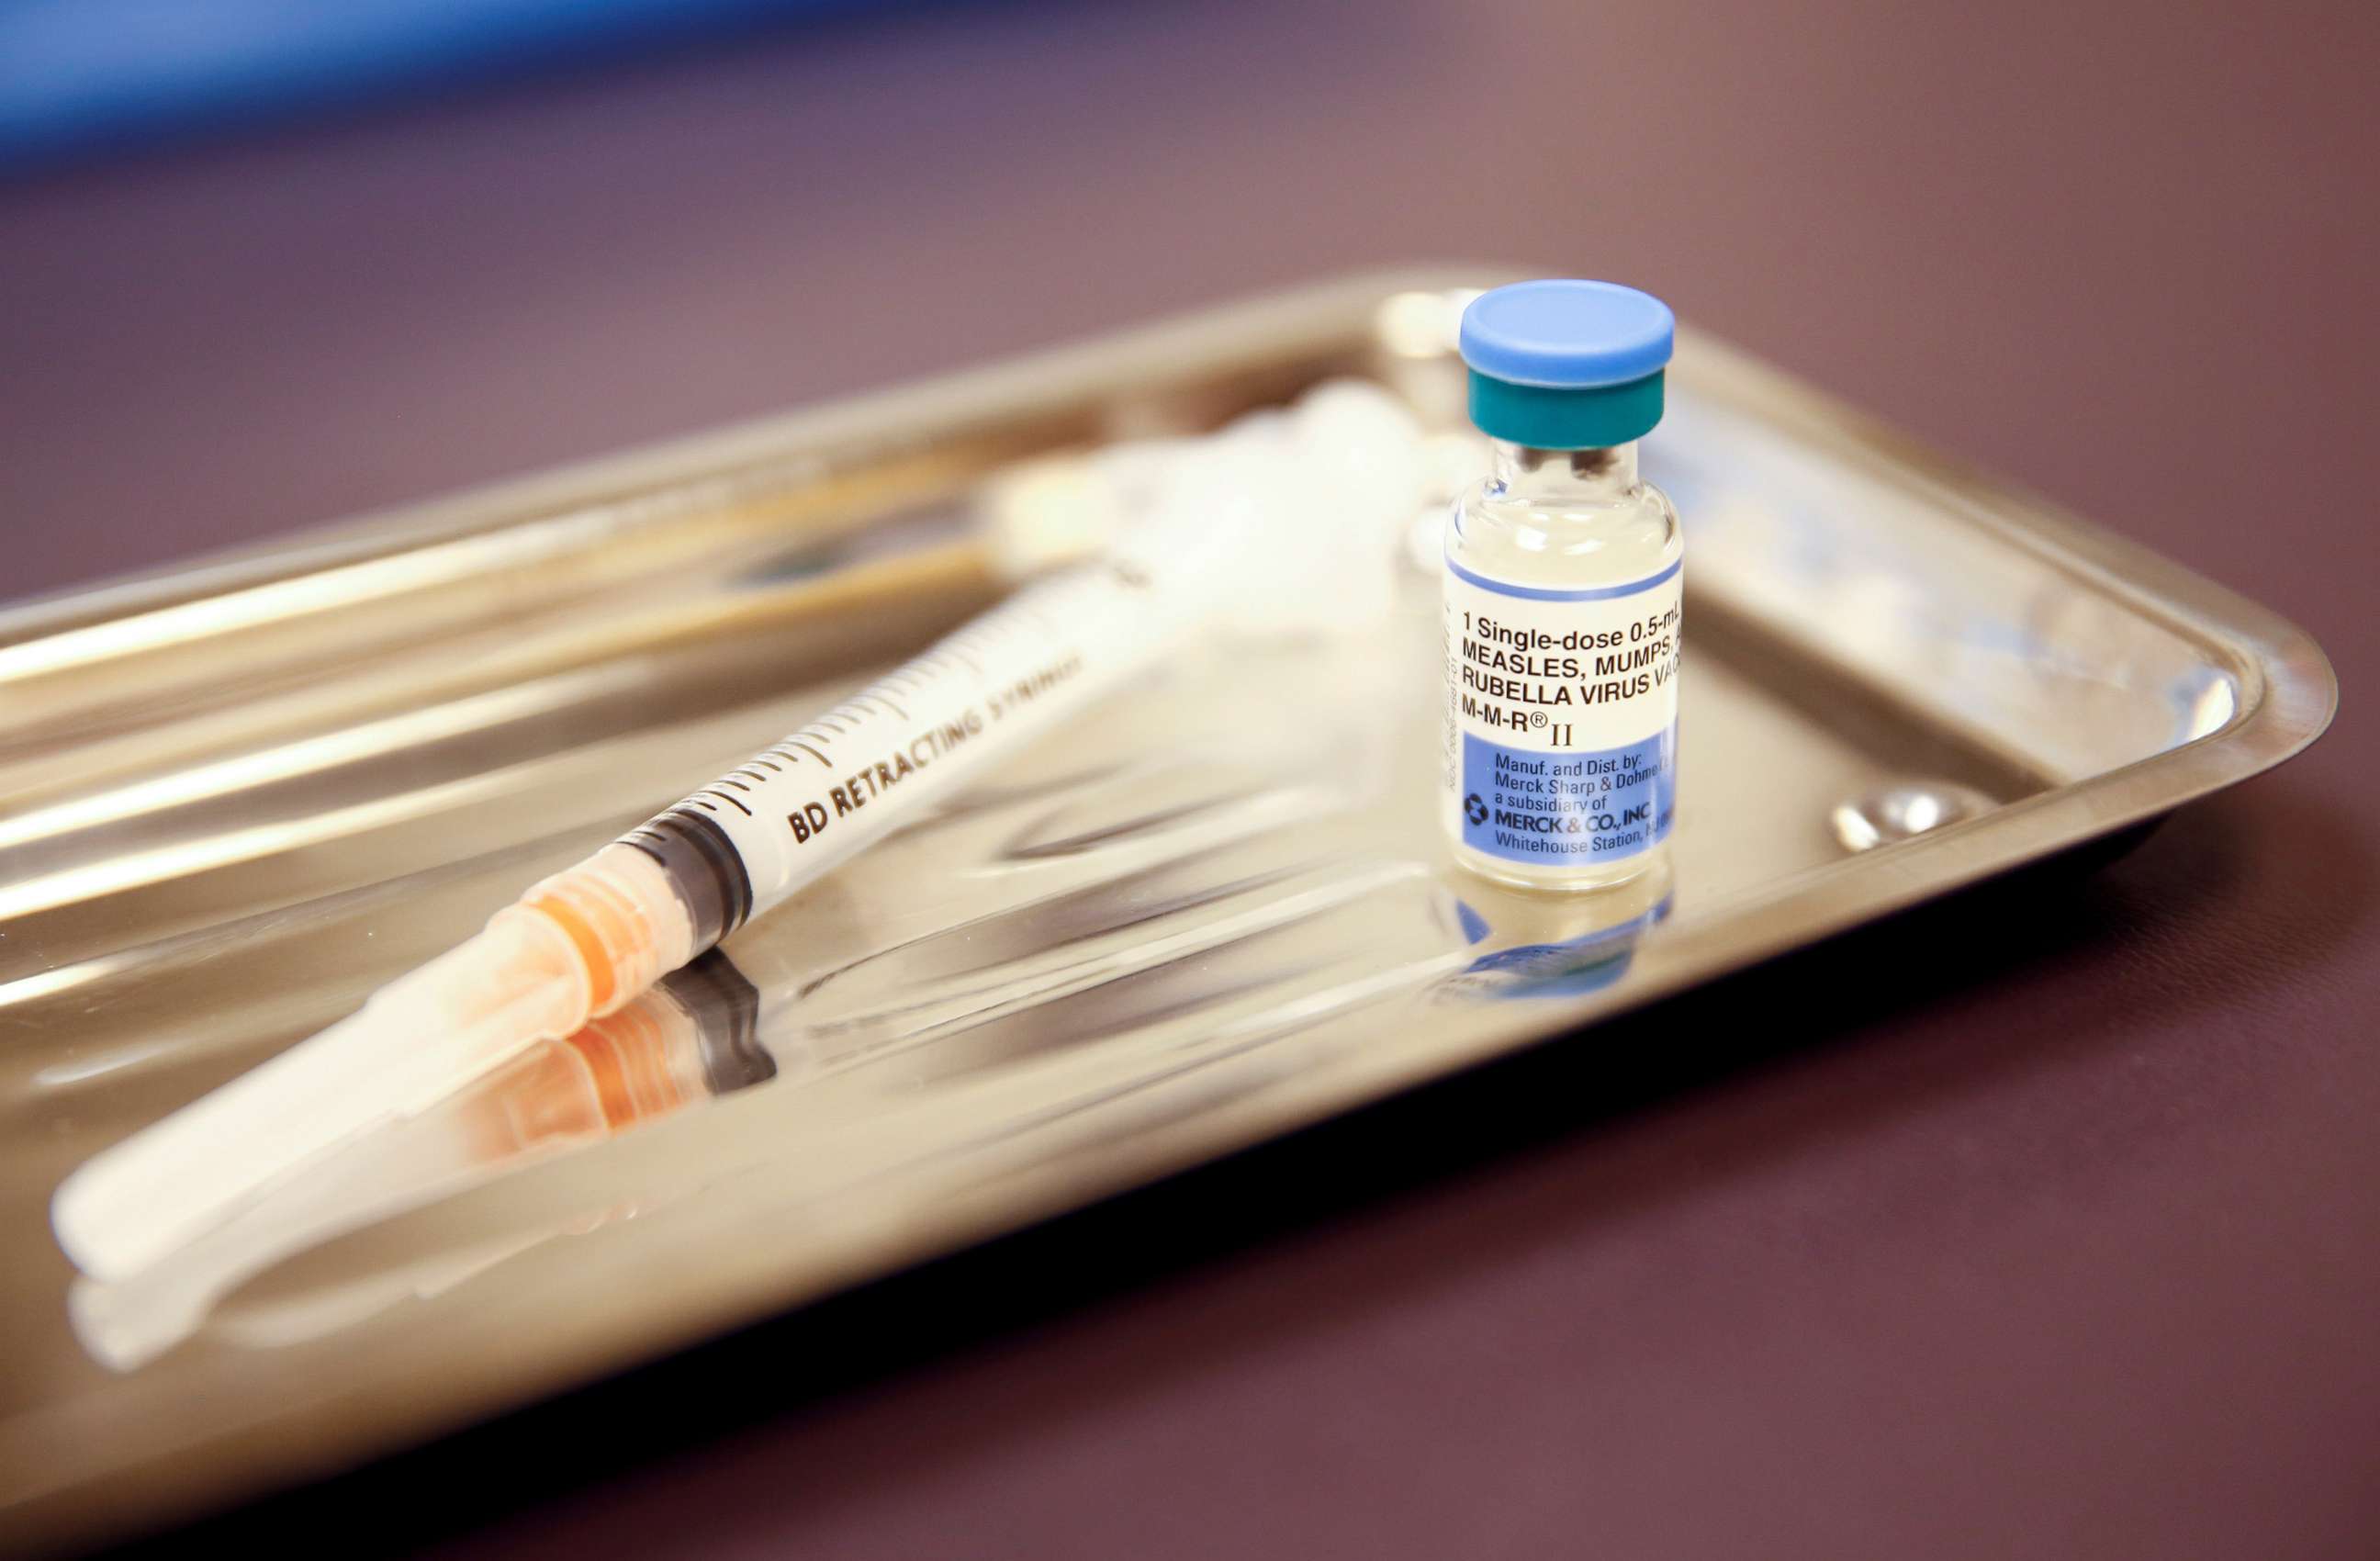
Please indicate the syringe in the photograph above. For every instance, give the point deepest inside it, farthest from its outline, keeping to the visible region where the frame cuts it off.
(585, 941)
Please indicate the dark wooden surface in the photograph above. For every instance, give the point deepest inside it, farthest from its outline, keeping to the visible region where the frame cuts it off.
(1982, 1235)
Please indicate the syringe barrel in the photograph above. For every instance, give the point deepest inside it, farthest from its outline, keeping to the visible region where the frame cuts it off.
(796, 809)
(1203, 534)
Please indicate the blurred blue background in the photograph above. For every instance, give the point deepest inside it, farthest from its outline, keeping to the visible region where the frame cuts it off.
(81, 75)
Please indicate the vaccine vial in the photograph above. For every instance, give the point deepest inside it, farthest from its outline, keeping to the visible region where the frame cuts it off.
(1563, 588)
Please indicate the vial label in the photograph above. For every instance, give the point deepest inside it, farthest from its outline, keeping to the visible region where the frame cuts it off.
(1562, 721)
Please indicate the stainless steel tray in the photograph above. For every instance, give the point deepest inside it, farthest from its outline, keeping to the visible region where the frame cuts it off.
(236, 797)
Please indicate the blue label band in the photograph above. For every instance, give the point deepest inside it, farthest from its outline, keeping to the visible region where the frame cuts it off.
(1568, 809)
(1539, 593)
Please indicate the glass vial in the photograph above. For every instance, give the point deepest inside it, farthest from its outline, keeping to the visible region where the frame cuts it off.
(1563, 592)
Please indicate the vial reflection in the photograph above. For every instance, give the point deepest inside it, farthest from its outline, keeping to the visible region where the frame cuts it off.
(1534, 946)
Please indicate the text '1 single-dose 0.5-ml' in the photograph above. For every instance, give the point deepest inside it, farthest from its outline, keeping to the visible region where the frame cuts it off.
(1563, 590)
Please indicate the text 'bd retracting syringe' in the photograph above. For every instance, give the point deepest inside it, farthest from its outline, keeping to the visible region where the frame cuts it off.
(1270, 517)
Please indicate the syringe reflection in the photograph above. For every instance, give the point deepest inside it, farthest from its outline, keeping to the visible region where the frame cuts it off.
(690, 1039)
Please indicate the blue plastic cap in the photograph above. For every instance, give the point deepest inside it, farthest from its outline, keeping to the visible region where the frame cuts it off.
(1567, 336)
